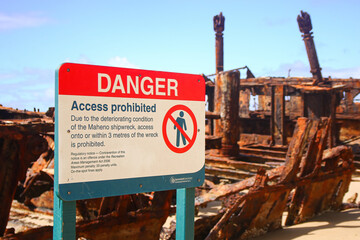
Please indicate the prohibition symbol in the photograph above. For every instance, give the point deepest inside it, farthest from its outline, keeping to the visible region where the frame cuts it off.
(180, 126)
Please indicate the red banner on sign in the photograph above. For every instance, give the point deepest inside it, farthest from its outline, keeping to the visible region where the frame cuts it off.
(92, 80)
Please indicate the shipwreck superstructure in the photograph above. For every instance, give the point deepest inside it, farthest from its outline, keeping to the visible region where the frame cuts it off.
(296, 152)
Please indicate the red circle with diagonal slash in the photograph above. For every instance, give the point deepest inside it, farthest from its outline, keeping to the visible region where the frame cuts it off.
(164, 131)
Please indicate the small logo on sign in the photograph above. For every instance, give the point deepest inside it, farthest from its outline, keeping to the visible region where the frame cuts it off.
(172, 180)
(180, 180)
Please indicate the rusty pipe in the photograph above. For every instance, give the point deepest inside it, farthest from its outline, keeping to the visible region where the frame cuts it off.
(305, 27)
(227, 89)
(219, 26)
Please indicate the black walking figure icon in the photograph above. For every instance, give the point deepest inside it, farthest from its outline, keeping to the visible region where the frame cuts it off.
(181, 121)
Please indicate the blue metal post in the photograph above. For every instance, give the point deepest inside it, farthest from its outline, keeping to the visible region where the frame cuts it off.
(64, 219)
(64, 212)
(185, 212)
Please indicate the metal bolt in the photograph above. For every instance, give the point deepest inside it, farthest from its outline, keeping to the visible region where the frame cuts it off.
(198, 130)
(68, 131)
(68, 69)
(198, 179)
(140, 186)
(69, 193)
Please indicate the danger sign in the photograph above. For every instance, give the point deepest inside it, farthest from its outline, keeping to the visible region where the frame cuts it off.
(122, 131)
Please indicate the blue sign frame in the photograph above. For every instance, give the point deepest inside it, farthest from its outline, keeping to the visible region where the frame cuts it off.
(86, 190)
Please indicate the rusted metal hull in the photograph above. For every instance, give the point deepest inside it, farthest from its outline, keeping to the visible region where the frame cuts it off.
(19, 145)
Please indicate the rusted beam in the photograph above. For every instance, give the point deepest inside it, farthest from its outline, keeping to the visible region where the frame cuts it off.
(229, 189)
(234, 164)
(296, 148)
(278, 115)
(212, 115)
(257, 150)
(314, 155)
(230, 174)
(210, 93)
(346, 206)
(333, 136)
(260, 159)
(244, 103)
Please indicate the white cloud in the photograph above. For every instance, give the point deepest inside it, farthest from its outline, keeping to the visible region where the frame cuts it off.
(121, 62)
(15, 21)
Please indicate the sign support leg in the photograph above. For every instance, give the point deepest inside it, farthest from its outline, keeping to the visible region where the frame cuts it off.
(64, 219)
(185, 212)
(64, 212)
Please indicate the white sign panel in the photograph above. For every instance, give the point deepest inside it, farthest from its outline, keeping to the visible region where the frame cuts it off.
(117, 124)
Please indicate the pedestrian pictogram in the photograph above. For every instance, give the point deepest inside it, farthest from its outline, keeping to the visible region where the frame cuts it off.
(181, 124)
(184, 138)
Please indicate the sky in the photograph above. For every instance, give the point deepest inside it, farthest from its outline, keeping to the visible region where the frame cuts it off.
(36, 37)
